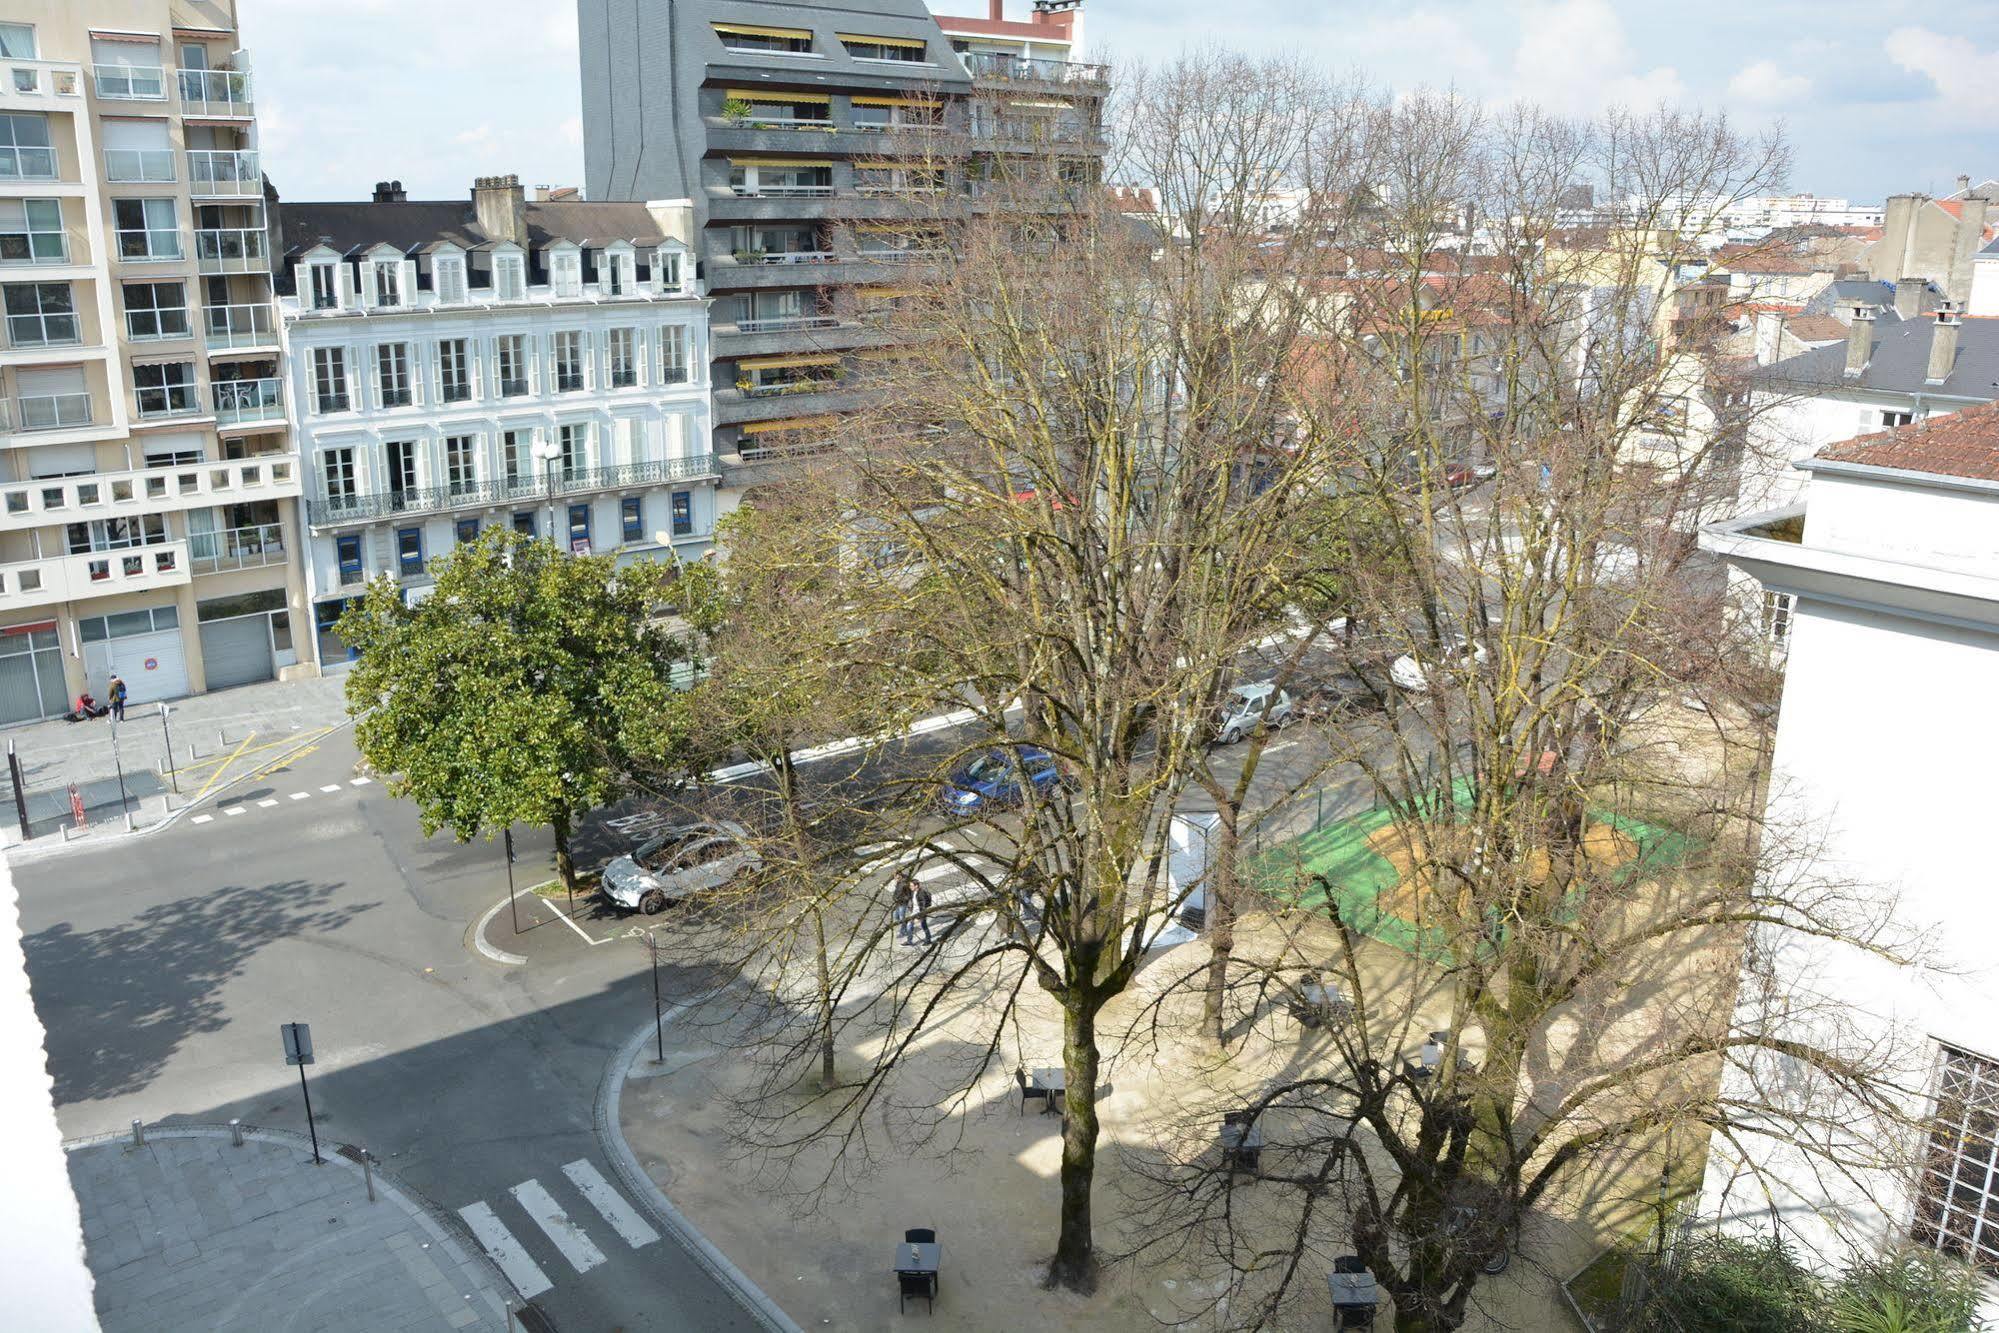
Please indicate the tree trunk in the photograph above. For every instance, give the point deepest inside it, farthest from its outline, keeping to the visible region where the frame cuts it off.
(1075, 1263)
(565, 864)
(826, 1076)
(1220, 882)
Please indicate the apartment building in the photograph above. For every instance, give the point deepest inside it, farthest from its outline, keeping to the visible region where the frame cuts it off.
(461, 363)
(780, 123)
(148, 489)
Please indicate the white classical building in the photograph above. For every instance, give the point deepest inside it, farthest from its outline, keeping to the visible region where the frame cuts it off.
(1884, 747)
(459, 364)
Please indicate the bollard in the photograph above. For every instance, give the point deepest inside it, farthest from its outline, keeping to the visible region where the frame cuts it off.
(138, 1133)
(236, 1132)
(368, 1172)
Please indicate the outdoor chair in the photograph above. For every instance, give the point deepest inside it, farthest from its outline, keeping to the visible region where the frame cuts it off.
(1354, 1316)
(919, 1236)
(916, 1284)
(1348, 1263)
(1028, 1092)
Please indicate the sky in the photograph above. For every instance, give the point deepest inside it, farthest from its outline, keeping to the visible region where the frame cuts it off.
(1876, 97)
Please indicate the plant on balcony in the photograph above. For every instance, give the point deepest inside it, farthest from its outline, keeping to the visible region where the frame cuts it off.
(750, 256)
(528, 689)
(736, 110)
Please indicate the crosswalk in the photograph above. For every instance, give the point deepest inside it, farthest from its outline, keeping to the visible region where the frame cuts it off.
(570, 1238)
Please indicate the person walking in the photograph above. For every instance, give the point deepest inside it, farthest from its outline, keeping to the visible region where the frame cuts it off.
(115, 696)
(923, 901)
(905, 907)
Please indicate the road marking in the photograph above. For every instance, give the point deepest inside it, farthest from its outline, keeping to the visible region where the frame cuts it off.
(202, 819)
(265, 805)
(331, 786)
(1281, 745)
(504, 1250)
(555, 1224)
(563, 917)
(216, 776)
(301, 796)
(624, 1218)
(359, 782)
(233, 810)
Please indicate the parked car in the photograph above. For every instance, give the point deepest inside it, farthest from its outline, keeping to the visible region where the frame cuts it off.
(678, 864)
(999, 779)
(1457, 476)
(1411, 673)
(1243, 707)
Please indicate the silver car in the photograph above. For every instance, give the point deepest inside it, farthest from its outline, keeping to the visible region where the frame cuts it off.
(678, 864)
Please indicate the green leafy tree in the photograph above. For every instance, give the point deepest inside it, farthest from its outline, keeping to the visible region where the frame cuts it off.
(530, 686)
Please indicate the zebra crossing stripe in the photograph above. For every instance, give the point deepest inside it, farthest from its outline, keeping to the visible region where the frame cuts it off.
(565, 1235)
(504, 1250)
(624, 1219)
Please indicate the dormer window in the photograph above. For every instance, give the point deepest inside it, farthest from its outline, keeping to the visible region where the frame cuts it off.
(669, 270)
(905, 50)
(510, 278)
(565, 270)
(620, 271)
(388, 282)
(325, 279)
(450, 274)
(765, 40)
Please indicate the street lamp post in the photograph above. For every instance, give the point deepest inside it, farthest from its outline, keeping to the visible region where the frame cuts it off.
(546, 452)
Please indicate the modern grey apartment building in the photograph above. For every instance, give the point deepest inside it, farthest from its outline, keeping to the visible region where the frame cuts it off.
(778, 121)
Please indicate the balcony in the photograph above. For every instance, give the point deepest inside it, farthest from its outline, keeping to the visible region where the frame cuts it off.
(247, 402)
(35, 85)
(51, 411)
(74, 578)
(330, 512)
(213, 174)
(773, 337)
(237, 548)
(996, 67)
(230, 250)
(233, 327)
(139, 166)
(733, 406)
(27, 164)
(34, 504)
(215, 94)
(130, 83)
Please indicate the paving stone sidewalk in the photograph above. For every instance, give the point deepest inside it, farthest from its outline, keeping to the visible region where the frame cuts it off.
(190, 1231)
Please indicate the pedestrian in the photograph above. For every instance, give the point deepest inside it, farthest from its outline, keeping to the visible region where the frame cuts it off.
(115, 696)
(905, 907)
(923, 901)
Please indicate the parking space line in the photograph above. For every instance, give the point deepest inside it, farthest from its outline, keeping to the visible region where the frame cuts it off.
(202, 819)
(301, 796)
(331, 786)
(233, 810)
(265, 805)
(359, 782)
(504, 1250)
(539, 1204)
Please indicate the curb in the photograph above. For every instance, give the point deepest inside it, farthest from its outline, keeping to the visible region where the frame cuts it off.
(490, 951)
(611, 1137)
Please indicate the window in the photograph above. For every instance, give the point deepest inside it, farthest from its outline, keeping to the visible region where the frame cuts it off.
(573, 439)
(392, 374)
(388, 282)
(467, 531)
(461, 463)
(516, 449)
(673, 354)
(155, 310)
(138, 150)
(1957, 1199)
(17, 41)
(579, 529)
(669, 270)
(1890, 420)
(624, 358)
(568, 362)
(117, 534)
(631, 517)
(329, 378)
(908, 50)
(409, 551)
(618, 273)
(770, 41)
(1777, 607)
(510, 278)
(454, 370)
(148, 230)
(31, 232)
(513, 365)
(450, 276)
(683, 513)
(325, 286)
(41, 314)
(401, 455)
(26, 151)
(524, 522)
(166, 389)
(565, 273)
(337, 468)
(347, 550)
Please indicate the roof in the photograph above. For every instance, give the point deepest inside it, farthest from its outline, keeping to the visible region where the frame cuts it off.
(413, 224)
(1815, 329)
(1900, 362)
(1961, 444)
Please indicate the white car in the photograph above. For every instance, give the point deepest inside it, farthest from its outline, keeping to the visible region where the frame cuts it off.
(1246, 705)
(679, 863)
(1410, 673)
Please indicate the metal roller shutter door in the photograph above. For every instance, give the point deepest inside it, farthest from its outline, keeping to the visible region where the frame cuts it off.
(237, 652)
(153, 665)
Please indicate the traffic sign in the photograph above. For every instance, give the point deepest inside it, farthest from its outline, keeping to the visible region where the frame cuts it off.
(298, 1042)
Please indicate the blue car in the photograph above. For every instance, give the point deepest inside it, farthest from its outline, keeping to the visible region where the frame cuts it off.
(998, 780)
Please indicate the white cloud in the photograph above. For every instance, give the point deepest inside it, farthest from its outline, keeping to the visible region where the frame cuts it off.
(1450, 53)
(1763, 84)
(572, 130)
(1575, 58)
(477, 137)
(1966, 78)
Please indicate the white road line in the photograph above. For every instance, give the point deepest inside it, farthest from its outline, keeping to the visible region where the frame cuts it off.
(301, 796)
(1281, 745)
(331, 786)
(202, 819)
(624, 1218)
(359, 782)
(233, 810)
(566, 1235)
(504, 1250)
(265, 805)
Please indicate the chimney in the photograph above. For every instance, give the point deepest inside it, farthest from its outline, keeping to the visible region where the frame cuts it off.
(500, 206)
(390, 192)
(1859, 340)
(1912, 297)
(1943, 343)
(996, 11)
(1963, 186)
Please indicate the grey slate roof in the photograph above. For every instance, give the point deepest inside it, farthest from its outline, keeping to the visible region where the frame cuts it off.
(1900, 362)
(415, 224)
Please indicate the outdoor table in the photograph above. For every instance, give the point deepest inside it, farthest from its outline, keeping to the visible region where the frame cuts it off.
(918, 1256)
(1242, 1144)
(1054, 1081)
(1352, 1291)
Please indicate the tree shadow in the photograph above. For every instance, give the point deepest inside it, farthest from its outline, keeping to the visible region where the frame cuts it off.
(126, 997)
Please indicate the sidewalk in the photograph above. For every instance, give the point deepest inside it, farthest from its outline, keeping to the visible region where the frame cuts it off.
(190, 1231)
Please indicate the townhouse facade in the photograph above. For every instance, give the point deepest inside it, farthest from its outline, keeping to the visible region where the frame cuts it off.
(824, 146)
(148, 487)
(454, 365)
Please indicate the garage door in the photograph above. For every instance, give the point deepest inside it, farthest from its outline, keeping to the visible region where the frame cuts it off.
(153, 665)
(237, 652)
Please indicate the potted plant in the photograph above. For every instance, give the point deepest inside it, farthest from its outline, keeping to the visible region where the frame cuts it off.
(749, 256)
(736, 110)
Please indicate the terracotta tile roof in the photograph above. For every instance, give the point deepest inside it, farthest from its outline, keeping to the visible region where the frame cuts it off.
(1815, 328)
(1962, 444)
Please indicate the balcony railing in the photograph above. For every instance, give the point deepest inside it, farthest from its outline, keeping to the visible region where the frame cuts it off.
(237, 548)
(216, 172)
(69, 578)
(227, 326)
(139, 166)
(131, 83)
(214, 92)
(52, 411)
(760, 257)
(786, 323)
(783, 191)
(780, 123)
(27, 164)
(29, 504)
(902, 256)
(239, 401)
(54, 330)
(483, 494)
(229, 250)
(778, 388)
(1022, 69)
